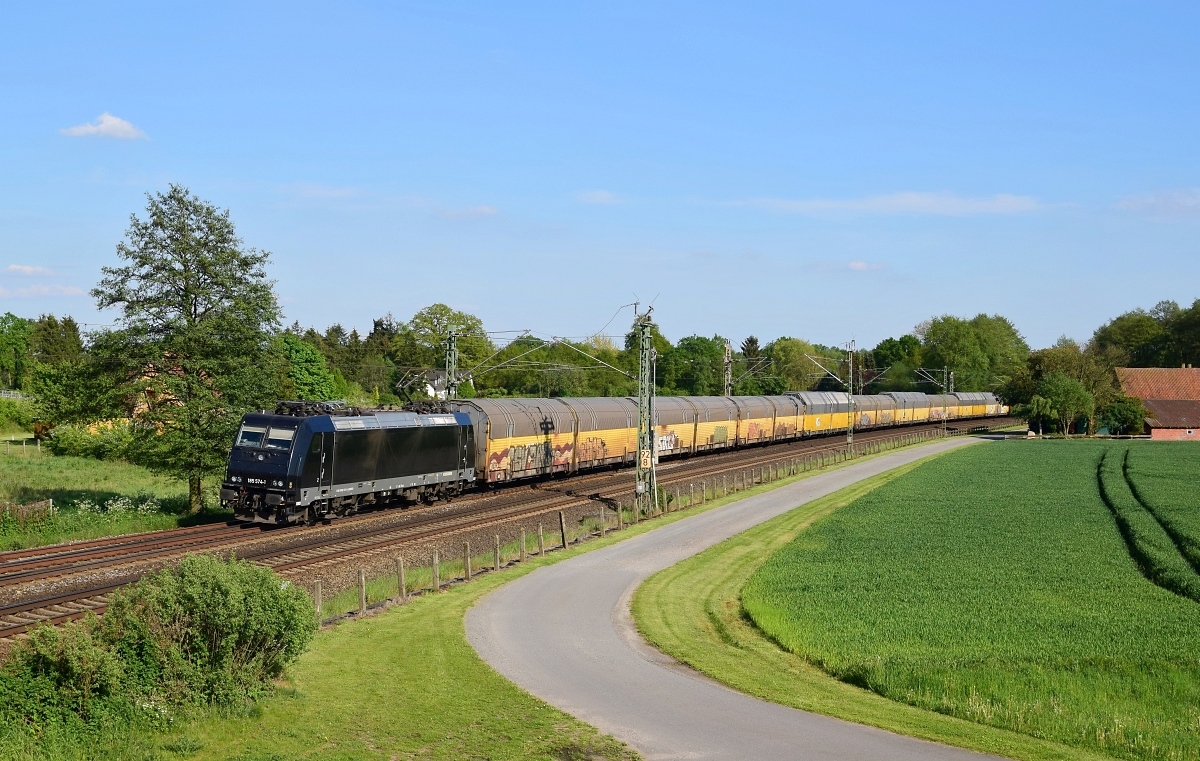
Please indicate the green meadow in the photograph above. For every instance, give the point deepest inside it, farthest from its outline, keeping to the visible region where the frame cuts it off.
(1022, 585)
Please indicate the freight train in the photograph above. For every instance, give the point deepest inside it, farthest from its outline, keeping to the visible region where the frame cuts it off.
(315, 460)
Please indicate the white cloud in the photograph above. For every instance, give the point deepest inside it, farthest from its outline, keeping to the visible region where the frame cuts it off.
(28, 269)
(470, 212)
(1166, 204)
(43, 290)
(911, 202)
(598, 197)
(105, 125)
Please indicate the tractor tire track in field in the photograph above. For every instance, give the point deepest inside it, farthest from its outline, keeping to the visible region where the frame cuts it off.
(1149, 544)
(1177, 537)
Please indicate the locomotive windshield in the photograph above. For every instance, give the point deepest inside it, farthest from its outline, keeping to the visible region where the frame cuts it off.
(251, 436)
(280, 438)
(260, 436)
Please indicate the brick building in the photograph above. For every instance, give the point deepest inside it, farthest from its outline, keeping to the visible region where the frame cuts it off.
(1171, 396)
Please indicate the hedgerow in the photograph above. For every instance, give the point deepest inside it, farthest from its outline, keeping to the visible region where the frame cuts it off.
(208, 632)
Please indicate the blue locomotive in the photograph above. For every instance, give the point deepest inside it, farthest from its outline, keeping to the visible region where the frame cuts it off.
(311, 461)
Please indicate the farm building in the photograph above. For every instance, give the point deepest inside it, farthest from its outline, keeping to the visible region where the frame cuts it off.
(1171, 396)
(1173, 419)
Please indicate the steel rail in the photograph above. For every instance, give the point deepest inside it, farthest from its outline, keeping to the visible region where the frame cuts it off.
(504, 506)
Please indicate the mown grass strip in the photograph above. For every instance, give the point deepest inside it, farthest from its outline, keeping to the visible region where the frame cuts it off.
(1156, 552)
(692, 611)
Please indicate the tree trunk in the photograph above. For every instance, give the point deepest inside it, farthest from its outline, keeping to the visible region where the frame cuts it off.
(195, 500)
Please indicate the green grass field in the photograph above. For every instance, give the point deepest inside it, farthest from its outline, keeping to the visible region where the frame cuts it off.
(993, 585)
(74, 481)
(1164, 481)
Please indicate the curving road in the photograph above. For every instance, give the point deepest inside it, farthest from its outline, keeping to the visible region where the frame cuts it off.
(564, 634)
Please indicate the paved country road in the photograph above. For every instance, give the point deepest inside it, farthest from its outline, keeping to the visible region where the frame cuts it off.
(564, 634)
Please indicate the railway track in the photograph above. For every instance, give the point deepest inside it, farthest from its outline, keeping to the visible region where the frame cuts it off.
(362, 537)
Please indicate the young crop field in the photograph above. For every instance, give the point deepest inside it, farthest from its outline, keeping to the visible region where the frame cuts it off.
(1164, 479)
(996, 584)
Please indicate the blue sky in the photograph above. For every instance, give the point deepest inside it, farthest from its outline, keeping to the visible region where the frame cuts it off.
(824, 170)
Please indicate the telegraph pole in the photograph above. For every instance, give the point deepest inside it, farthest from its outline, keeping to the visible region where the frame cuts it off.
(452, 365)
(728, 368)
(646, 487)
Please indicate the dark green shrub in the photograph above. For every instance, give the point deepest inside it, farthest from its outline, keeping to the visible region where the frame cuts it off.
(207, 632)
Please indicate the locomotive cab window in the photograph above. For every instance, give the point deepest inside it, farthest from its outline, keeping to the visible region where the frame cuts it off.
(251, 436)
(280, 438)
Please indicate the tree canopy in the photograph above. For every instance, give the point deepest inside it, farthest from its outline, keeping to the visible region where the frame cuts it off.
(191, 346)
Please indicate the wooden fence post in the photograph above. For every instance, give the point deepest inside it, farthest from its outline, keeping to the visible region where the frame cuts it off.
(467, 561)
(437, 581)
(562, 526)
(724, 486)
(620, 516)
(497, 552)
(541, 542)
(691, 495)
(524, 555)
(602, 521)
(362, 591)
(317, 601)
(400, 579)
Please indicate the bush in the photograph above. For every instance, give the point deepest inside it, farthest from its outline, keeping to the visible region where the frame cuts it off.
(207, 632)
(16, 414)
(213, 631)
(104, 440)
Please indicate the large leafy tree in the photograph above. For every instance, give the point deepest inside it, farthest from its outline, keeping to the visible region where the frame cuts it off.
(694, 366)
(421, 342)
(984, 352)
(14, 349)
(1069, 399)
(191, 348)
(1002, 344)
(306, 374)
(954, 343)
(897, 359)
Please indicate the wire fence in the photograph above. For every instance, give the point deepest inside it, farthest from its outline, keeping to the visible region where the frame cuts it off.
(453, 563)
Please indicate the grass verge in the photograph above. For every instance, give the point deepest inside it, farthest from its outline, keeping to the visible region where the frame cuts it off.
(406, 683)
(93, 498)
(693, 612)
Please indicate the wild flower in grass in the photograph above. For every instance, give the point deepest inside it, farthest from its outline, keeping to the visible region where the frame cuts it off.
(87, 507)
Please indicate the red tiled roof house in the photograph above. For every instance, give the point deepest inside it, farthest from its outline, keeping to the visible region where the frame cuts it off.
(1171, 396)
